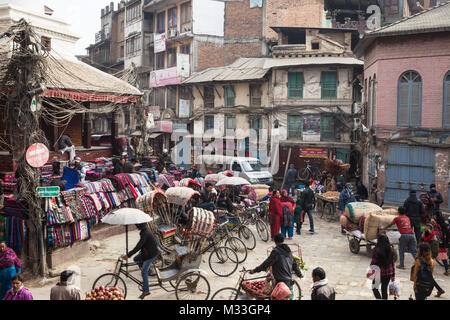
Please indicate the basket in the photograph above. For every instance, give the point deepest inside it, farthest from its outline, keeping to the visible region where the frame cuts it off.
(249, 292)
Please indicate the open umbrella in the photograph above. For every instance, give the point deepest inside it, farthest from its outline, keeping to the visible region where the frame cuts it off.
(126, 217)
(232, 181)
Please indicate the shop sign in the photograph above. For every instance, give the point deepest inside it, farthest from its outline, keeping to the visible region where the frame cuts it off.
(313, 153)
(163, 126)
(165, 77)
(160, 42)
(183, 65)
(155, 111)
(179, 126)
(184, 108)
(48, 192)
(37, 155)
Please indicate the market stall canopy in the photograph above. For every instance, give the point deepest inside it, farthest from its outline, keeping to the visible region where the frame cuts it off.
(232, 181)
(127, 216)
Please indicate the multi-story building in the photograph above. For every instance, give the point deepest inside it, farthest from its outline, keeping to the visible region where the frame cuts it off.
(406, 98)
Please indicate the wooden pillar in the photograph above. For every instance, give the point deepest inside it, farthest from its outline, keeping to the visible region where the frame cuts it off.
(115, 125)
(87, 128)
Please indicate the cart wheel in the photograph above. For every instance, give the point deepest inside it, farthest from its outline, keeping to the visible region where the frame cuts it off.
(328, 212)
(262, 230)
(225, 294)
(192, 286)
(223, 261)
(247, 236)
(354, 246)
(319, 207)
(238, 246)
(110, 280)
(297, 291)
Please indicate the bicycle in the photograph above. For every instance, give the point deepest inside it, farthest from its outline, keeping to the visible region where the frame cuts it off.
(309, 172)
(251, 216)
(238, 292)
(222, 233)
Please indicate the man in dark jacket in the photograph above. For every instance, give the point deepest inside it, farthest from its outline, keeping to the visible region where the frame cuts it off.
(307, 205)
(66, 145)
(321, 289)
(414, 209)
(435, 196)
(148, 247)
(291, 178)
(282, 263)
(205, 198)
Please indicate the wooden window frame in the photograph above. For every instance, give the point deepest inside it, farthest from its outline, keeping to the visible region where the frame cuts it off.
(324, 89)
(401, 104)
(205, 122)
(161, 25)
(298, 136)
(208, 100)
(295, 86)
(227, 98)
(255, 100)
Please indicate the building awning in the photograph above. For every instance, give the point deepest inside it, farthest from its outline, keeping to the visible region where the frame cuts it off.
(155, 135)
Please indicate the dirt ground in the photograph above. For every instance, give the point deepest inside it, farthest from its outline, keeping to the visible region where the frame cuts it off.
(328, 249)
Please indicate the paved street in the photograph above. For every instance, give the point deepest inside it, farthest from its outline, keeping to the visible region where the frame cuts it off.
(328, 249)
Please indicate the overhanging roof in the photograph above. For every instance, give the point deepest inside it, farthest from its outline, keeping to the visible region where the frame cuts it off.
(288, 62)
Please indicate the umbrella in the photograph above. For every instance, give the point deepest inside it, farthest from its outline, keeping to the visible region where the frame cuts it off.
(126, 217)
(232, 181)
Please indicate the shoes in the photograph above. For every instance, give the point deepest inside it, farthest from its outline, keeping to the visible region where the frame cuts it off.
(446, 273)
(440, 293)
(144, 294)
(400, 267)
(299, 233)
(312, 232)
(290, 238)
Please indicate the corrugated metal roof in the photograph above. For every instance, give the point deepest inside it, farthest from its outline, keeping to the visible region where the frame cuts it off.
(245, 69)
(273, 63)
(242, 69)
(431, 20)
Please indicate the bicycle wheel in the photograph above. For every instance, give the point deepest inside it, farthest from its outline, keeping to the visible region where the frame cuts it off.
(238, 246)
(262, 230)
(247, 236)
(225, 294)
(110, 280)
(193, 286)
(328, 212)
(303, 174)
(297, 291)
(220, 262)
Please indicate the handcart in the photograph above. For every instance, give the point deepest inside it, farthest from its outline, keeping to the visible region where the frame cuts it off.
(356, 240)
(327, 207)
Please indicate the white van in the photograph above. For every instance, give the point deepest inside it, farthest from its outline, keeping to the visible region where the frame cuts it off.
(247, 168)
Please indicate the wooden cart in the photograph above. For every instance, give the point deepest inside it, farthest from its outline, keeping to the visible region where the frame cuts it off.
(326, 207)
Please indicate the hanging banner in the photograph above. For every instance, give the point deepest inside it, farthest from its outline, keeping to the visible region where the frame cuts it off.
(311, 127)
(160, 42)
(164, 77)
(313, 153)
(37, 155)
(183, 65)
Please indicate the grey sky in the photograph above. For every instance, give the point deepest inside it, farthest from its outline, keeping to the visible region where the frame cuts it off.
(83, 15)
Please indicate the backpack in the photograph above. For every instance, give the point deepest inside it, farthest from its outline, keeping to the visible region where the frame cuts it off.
(286, 219)
(425, 280)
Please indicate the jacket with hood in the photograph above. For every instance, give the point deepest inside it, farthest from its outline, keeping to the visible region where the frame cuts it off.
(307, 199)
(282, 263)
(414, 207)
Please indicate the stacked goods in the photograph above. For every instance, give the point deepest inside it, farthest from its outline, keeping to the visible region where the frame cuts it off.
(332, 195)
(102, 293)
(392, 211)
(336, 167)
(375, 221)
(257, 289)
(347, 224)
(255, 192)
(355, 210)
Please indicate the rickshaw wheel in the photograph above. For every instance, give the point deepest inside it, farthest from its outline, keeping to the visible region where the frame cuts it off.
(354, 246)
(110, 280)
(193, 286)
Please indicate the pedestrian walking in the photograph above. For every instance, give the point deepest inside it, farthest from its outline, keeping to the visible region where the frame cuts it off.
(361, 191)
(414, 210)
(321, 289)
(148, 247)
(346, 196)
(275, 213)
(383, 258)
(298, 216)
(291, 178)
(287, 221)
(407, 241)
(64, 290)
(435, 196)
(10, 264)
(422, 274)
(430, 236)
(443, 231)
(18, 291)
(307, 205)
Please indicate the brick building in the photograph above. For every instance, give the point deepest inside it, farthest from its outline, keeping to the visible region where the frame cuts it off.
(407, 83)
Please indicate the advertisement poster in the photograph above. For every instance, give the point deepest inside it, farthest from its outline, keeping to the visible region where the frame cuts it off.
(160, 42)
(311, 127)
(313, 153)
(183, 65)
(184, 109)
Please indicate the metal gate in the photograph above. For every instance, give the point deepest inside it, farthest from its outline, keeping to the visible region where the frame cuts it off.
(407, 168)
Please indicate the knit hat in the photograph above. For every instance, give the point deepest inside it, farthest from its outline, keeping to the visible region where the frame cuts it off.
(66, 275)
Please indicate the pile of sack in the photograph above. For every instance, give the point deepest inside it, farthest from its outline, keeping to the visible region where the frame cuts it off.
(366, 217)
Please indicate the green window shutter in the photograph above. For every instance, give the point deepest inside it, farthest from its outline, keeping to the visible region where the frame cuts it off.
(295, 85)
(295, 127)
(329, 85)
(327, 130)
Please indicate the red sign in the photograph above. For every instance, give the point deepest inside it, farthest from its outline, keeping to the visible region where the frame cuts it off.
(161, 78)
(37, 155)
(313, 153)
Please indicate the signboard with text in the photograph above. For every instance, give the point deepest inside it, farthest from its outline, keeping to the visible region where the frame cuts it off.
(160, 42)
(48, 192)
(37, 155)
(313, 153)
(165, 77)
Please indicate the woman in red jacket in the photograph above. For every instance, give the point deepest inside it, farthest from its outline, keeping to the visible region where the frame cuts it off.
(275, 213)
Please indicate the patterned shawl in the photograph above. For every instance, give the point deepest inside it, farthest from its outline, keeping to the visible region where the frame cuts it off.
(9, 259)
